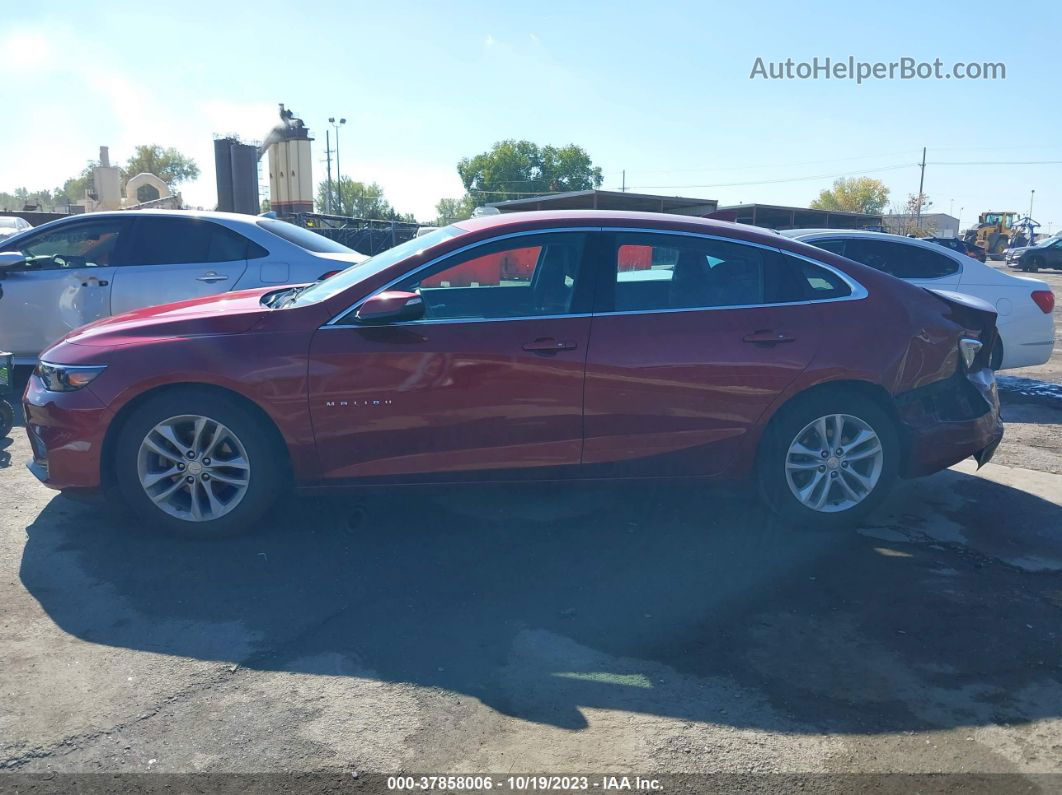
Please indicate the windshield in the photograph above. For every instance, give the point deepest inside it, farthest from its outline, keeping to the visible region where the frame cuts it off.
(322, 291)
(303, 238)
(7, 222)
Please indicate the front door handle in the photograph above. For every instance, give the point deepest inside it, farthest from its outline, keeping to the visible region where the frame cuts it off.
(768, 336)
(549, 345)
(211, 277)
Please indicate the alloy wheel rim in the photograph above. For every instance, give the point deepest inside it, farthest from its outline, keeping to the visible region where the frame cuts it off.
(193, 468)
(834, 463)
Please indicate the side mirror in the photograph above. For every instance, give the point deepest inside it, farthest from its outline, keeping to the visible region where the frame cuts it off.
(391, 306)
(10, 260)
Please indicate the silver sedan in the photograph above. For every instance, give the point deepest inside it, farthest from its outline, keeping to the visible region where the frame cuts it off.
(73, 271)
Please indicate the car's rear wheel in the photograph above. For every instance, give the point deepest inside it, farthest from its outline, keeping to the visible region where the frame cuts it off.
(828, 459)
(197, 463)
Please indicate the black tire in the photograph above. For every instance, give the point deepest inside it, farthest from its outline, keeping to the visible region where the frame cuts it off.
(783, 431)
(7, 418)
(1035, 263)
(267, 472)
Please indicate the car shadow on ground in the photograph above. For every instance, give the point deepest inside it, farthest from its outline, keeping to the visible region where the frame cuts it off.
(671, 599)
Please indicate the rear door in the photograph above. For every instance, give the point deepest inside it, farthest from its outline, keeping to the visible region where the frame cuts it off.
(693, 338)
(174, 259)
(491, 378)
(65, 283)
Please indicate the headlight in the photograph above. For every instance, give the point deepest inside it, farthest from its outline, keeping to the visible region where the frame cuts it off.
(968, 349)
(66, 377)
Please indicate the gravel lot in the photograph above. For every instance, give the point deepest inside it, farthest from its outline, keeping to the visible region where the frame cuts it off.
(657, 628)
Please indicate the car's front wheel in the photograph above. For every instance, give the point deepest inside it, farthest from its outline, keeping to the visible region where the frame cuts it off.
(197, 463)
(828, 459)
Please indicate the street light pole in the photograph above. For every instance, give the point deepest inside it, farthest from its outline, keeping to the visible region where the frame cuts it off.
(339, 176)
(328, 156)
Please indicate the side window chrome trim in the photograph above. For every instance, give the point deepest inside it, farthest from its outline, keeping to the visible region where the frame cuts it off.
(858, 291)
(458, 321)
(334, 321)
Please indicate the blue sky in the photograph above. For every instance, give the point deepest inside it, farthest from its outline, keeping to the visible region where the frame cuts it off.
(661, 90)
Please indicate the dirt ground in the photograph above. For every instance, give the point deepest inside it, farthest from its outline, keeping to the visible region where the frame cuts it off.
(608, 629)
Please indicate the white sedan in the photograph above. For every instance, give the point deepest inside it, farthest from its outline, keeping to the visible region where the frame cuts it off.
(73, 271)
(12, 225)
(1026, 324)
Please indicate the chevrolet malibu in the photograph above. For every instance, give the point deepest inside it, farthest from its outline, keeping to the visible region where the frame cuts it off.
(527, 346)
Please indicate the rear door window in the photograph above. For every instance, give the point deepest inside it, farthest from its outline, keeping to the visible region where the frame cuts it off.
(177, 241)
(901, 260)
(653, 272)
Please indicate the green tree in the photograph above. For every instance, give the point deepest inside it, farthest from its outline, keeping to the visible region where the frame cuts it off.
(169, 165)
(44, 200)
(450, 210)
(854, 195)
(358, 200)
(74, 188)
(518, 168)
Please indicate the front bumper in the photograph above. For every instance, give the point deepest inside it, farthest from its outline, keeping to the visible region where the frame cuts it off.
(950, 420)
(66, 431)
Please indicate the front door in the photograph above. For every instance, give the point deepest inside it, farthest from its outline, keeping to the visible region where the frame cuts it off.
(174, 259)
(491, 379)
(65, 283)
(692, 341)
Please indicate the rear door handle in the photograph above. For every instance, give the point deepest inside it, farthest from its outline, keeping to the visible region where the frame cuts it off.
(768, 336)
(211, 277)
(549, 345)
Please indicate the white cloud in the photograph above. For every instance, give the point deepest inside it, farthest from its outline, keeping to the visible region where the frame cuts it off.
(27, 51)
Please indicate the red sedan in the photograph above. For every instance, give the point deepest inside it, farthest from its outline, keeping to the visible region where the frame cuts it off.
(624, 345)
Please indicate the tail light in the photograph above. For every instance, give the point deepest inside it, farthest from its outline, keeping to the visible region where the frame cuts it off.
(968, 350)
(1045, 299)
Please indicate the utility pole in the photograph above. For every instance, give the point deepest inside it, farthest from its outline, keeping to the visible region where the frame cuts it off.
(328, 157)
(624, 187)
(1032, 195)
(921, 184)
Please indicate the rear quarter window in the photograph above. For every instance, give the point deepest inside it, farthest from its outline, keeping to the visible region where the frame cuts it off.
(795, 279)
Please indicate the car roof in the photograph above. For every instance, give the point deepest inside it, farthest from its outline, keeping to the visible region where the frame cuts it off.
(801, 234)
(618, 218)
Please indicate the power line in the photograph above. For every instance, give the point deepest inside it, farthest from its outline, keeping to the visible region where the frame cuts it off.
(775, 181)
(997, 163)
(794, 179)
(777, 165)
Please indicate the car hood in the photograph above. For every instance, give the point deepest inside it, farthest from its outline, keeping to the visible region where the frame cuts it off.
(228, 313)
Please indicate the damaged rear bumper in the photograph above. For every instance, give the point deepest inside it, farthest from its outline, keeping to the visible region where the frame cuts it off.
(950, 420)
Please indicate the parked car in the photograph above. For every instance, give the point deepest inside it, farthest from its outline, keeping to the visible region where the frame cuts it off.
(73, 271)
(1045, 254)
(716, 351)
(959, 245)
(1026, 329)
(12, 225)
